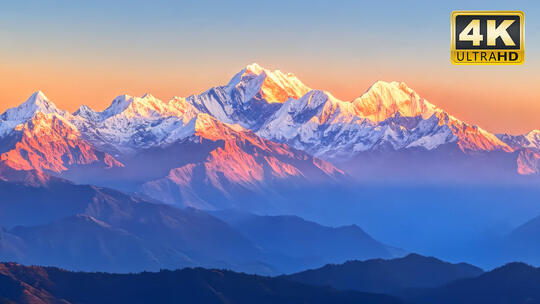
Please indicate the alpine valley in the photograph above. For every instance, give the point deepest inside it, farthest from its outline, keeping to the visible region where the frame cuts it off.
(263, 175)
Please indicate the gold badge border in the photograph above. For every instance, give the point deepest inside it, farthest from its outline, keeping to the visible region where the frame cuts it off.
(521, 50)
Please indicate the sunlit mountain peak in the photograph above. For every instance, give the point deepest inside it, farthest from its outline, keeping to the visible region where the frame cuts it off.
(37, 102)
(254, 68)
(148, 96)
(276, 86)
(534, 139)
(385, 99)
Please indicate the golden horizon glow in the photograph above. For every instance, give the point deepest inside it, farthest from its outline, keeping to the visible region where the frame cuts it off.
(90, 52)
(492, 103)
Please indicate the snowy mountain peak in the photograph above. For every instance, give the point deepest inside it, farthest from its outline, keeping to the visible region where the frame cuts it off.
(530, 140)
(148, 96)
(127, 104)
(118, 105)
(38, 96)
(276, 86)
(250, 97)
(385, 99)
(311, 101)
(533, 133)
(36, 103)
(86, 112)
(254, 68)
(533, 137)
(83, 109)
(149, 107)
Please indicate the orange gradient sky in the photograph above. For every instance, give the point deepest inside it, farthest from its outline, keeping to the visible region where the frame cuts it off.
(89, 53)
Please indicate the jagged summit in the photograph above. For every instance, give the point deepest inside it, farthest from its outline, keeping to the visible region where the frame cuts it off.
(385, 99)
(534, 139)
(529, 140)
(250, 97)
(277, 106)
(38, 96)
(274, 86)
(86, 112)
(132, 106)
(118, 105)
(254, 68)
(47, 140)
(37, 102)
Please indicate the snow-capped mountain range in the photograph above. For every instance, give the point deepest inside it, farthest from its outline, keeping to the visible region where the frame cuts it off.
(529, 140)
(278, 107)
(38, 136)
(387, 116)
(263, 121)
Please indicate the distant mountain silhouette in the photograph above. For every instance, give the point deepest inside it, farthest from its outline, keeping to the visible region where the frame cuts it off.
(241, 142)
(522, 243)
(98, 229)
(21, 284)
(88, 228)
(307, 243)
(84, 242)
(387, 276)
(514, 283)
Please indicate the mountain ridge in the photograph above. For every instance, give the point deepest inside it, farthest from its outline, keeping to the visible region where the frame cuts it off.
(40, 137)
(277, 106)
(33, 284)
(390, 276)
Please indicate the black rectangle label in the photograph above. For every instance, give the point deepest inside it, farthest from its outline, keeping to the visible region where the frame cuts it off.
(462, 21)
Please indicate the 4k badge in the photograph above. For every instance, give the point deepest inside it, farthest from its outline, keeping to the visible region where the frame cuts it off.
(487, 37)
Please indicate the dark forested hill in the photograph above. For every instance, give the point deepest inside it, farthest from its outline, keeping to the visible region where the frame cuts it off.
(22, 284)
(387, 276)
(514, 283)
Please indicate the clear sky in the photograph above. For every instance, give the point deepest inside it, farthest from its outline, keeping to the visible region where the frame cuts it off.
(88, 52)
